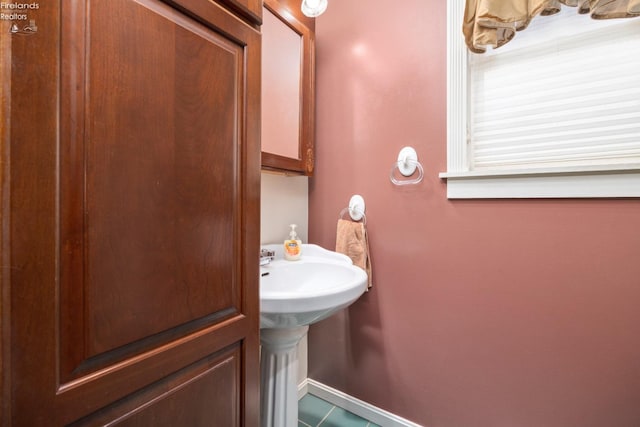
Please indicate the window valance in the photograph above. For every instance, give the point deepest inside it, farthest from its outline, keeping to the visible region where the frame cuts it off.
(495, 22)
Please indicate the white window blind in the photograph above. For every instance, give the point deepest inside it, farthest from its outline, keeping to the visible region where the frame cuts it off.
(564, 92)
(562, 97)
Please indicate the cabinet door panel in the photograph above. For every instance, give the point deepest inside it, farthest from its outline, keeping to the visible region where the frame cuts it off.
(161, 221)
(172, 398)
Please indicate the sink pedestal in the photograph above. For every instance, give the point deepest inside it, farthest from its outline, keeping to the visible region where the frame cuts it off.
(278, 379)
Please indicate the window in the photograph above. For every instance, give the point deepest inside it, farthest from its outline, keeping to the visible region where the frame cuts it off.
(553, 113)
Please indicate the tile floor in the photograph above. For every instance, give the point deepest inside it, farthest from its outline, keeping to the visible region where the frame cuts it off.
(315, 412)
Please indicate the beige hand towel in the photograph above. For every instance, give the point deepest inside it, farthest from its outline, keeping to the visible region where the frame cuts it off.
(352, 240)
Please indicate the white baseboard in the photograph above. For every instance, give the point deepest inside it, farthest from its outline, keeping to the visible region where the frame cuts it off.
(352, 404)
(303, 388)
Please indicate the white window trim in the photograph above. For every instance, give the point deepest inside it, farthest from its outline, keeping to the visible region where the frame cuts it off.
(566, 182)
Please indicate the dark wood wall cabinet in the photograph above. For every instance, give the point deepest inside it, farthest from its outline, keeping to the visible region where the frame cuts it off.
(130, 146)
(288, 88)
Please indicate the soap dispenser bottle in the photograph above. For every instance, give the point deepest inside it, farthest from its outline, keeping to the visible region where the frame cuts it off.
(293, 245)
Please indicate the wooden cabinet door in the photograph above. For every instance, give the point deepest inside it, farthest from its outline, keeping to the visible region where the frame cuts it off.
(130, 212)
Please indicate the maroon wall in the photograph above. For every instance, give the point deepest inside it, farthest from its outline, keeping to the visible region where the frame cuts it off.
(483, 313)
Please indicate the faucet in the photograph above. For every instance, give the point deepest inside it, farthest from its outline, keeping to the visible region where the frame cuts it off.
(266, 256)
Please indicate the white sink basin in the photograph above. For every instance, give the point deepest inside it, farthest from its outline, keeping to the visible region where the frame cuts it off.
(299, 293)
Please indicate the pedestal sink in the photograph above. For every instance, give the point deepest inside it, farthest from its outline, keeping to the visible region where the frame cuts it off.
(293, 295)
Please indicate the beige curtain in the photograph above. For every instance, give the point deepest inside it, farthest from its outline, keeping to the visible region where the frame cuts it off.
(495, 22)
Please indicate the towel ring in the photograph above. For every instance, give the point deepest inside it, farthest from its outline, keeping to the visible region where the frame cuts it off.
(356, 209)
(407, 164)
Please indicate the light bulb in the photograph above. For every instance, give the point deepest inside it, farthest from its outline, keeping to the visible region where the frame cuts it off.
(313, 8)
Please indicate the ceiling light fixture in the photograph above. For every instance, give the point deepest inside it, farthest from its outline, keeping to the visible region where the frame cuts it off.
(313, 8)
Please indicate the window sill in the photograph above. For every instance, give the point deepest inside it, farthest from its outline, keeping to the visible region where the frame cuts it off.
(593, 182)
